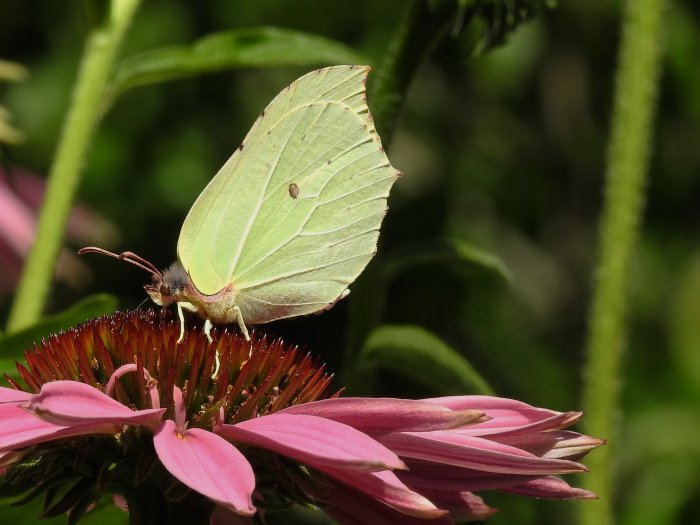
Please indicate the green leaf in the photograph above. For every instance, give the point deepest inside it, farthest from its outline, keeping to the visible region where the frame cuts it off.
(684, 328)
(489, 23)
(423, 357)
(12, 346)
(449, 251)
(256, 47)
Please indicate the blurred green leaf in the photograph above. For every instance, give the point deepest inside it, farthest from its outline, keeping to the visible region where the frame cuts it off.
(256, 47)
(666, 438)
(28, 513)
(12, 346)
(684, 324)
(423, 357)
(448, 251)
(489, 23)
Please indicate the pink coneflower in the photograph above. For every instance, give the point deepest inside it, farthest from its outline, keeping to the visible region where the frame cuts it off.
(21, 197)
(116, 407)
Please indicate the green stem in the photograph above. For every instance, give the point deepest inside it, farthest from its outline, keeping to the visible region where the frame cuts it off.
(425, 23)
(421, 29)
(64, 176)
(628, 159)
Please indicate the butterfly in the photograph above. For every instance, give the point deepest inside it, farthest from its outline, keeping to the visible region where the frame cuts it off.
(293, 216)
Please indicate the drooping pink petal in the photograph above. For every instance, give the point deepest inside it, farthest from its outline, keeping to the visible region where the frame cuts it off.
(314, 441)
(208, 464)
(463, 506)
(422, 475)
(21, 428)
(386, 487)
(452, 448)
(350, 507)
(560, 444)
(10, 395)
(550, 487)
(387, 414)
(505, 413)
(70, 403)
(8, 458)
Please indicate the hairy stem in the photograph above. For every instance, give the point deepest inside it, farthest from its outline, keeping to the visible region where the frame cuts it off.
(628, 158)
(64, 177)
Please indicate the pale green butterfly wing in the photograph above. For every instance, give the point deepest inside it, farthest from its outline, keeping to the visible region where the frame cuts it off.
(293, 216)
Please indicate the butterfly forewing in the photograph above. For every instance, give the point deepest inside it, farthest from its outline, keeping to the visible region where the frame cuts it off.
(289, 253)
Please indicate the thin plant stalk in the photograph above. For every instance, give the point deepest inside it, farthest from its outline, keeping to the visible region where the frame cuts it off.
(629, 151)
(64, 176)
(422, 27)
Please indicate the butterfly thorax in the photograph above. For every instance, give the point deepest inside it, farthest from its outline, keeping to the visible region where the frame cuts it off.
(176, 286)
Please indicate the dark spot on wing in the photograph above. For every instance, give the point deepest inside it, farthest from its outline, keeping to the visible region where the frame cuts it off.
(293, 190)
(240, 148)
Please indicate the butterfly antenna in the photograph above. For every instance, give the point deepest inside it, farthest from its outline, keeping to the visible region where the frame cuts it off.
(143, 302)
(129, 257)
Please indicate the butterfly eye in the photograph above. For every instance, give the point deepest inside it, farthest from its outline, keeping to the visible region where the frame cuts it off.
(165, 290)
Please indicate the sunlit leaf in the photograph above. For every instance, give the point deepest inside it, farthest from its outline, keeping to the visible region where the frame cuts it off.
(450, 251)
(256, 47)
(423, 357)
(12, 346)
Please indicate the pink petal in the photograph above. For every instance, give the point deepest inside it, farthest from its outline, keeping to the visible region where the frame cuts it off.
(10, 395)
(505, 413)
(21, 428)
(424, 475)
(456, 449)
(8, 458)
(555, 422)
(386, 487)
(71, 403)
(350, 507)
(550, 487)
(560, 444)
(16, 222)
(313, 440)
(463, 506)
(208, 464)
(386, 414)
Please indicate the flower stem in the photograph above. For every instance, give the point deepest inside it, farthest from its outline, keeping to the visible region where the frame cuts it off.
(424, 24)
(628, 159)
(81, 120)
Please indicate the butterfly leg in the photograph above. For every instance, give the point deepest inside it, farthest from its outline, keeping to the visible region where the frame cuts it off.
(244, 330)
(217, 362)
(241, 323)
(207, 330)
(181, 315)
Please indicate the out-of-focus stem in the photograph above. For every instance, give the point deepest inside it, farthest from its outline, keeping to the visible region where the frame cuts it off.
(628, 158)
(81, 120)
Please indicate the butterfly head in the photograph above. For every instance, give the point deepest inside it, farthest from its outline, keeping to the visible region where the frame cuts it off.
(170, 286)
(166, 287)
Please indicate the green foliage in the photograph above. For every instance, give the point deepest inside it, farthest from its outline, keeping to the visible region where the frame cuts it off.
(421, 356)
(449, 251)
(491, 22)
(255, 47)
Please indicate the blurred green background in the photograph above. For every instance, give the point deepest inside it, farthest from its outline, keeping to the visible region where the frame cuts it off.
(503, 151)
